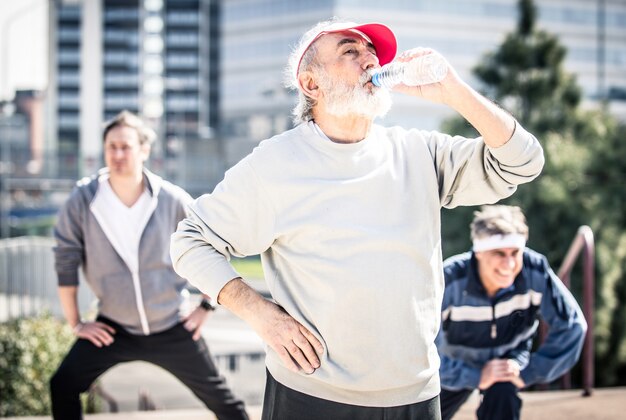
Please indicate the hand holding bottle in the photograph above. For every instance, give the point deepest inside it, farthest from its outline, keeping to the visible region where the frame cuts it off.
(419, 70)
(444, 87)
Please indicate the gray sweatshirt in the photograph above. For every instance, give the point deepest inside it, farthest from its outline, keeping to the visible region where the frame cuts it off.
(143, 301)
(351, 246)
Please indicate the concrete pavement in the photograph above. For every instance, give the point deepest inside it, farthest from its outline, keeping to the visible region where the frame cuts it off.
(604, 404)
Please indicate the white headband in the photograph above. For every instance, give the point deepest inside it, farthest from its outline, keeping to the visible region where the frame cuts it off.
(511, 240)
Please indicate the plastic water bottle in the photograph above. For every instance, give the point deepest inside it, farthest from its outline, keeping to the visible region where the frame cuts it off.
(422, 70)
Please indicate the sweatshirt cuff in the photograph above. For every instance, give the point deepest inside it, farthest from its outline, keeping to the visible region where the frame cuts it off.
(210, 279)
(527, 377)
(67, 279)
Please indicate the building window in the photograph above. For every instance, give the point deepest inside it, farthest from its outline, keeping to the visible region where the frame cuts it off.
(121, 14)
(121, 80)
(182, 39)
(182, 61)
(182, 18)
(69, 57)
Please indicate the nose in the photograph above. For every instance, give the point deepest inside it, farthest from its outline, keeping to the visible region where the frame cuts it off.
(369, 60)
(509, 262)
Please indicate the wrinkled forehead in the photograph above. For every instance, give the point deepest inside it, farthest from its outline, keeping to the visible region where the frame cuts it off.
(328, 43)
(334, 40)
(356, 33)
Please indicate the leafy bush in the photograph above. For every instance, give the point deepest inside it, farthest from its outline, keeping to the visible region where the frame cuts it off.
(30, 351)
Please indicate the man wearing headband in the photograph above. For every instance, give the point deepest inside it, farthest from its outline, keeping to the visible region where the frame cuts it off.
(346, 216)
(492, 301)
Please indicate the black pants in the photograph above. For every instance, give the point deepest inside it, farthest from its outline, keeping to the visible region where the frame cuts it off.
(282, 403)
(500, 401)
(174, 350)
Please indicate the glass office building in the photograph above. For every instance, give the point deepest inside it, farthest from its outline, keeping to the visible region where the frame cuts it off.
(257, 36)
(156, 58)
(208, 74)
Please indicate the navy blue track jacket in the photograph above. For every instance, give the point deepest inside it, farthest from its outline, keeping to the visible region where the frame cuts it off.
(476, 328)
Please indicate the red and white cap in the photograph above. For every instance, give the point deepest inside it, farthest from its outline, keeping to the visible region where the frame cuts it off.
(378, 34)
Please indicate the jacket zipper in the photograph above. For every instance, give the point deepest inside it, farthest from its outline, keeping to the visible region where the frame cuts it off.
(143, 319)
(494, 331)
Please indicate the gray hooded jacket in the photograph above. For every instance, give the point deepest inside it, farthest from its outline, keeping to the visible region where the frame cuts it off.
(143, 302)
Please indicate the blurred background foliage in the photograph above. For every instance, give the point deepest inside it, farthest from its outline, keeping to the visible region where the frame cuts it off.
(30, 351)
(582, 182)
(249, 268)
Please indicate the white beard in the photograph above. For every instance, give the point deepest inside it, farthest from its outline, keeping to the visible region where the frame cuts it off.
(343, 99)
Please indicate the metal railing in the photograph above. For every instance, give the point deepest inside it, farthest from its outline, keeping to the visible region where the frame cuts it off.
(28, 284)
(28, 287)
(583, 243)
(27, 279)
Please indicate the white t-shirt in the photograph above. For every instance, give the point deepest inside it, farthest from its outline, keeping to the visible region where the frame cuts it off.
(123, 225)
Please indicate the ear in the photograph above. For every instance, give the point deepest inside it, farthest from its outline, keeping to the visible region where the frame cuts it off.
(307, 83)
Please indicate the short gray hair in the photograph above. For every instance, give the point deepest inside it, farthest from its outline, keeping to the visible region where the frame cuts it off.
(303, 111)
(498, 220)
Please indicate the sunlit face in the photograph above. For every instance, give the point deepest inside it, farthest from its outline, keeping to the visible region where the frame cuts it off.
(344, 79)
(498, 268)
(124, 155)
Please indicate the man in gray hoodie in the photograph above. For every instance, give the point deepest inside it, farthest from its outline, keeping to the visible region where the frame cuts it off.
(117, 225)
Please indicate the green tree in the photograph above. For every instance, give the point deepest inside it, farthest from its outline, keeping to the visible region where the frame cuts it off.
(582, 181)
(606, 190)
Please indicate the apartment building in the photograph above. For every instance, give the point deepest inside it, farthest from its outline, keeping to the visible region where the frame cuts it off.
(257, 36)
(208, 74)
(157, 58)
